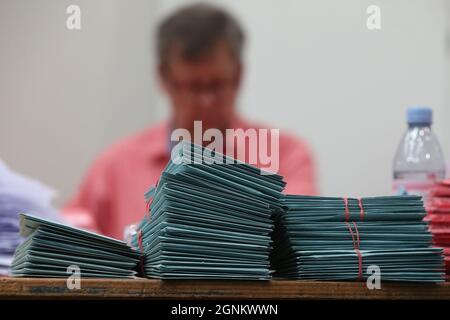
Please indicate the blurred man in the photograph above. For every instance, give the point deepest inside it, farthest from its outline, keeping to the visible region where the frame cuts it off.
(200, 69)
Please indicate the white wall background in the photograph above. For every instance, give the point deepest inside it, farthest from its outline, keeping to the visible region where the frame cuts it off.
(312, 68)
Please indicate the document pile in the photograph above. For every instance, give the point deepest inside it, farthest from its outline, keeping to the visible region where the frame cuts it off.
(56, 250)
(209, 217)
(325, 238)
(438, 208)
(19, 194)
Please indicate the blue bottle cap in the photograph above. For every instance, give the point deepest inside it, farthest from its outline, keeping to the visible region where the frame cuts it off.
(419, 115)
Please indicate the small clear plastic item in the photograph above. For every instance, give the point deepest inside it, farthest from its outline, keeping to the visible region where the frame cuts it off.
(128, 233)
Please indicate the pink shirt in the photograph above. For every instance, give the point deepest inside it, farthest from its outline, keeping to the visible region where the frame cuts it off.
(111, 195)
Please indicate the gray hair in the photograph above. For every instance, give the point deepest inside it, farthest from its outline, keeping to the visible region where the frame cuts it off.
(196, 29)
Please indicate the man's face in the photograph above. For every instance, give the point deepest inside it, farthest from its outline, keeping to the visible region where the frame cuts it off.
(202, 89)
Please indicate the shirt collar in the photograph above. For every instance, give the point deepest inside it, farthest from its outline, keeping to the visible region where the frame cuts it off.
(158, 138)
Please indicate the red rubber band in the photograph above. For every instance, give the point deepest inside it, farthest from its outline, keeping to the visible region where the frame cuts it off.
(351, 233)
(149, 203)
(356, 247)
(147, 208)
(361, 213)
(357, 235)
(360, 267)
(347, 211)
(141, 247)
(358, 252)
(139, 238)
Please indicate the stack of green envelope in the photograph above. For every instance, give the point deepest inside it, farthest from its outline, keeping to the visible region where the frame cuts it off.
(325, 238)
(57, 250)
(209, 220)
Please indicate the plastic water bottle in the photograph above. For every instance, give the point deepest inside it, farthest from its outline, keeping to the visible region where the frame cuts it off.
(419, 161)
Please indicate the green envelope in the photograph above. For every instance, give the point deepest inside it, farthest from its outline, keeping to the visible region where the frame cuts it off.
(329, 238)
(50, 248)
(209, 221)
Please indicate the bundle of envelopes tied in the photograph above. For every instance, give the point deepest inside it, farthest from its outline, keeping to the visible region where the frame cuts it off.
(209, 217)
(56, 250)
(438, 209)
(213, 217)
(326, 238)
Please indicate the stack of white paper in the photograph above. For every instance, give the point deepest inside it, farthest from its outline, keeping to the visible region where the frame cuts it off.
(19, 194)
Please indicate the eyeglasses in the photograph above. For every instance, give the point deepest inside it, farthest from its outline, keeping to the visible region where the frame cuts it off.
(218, 88)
